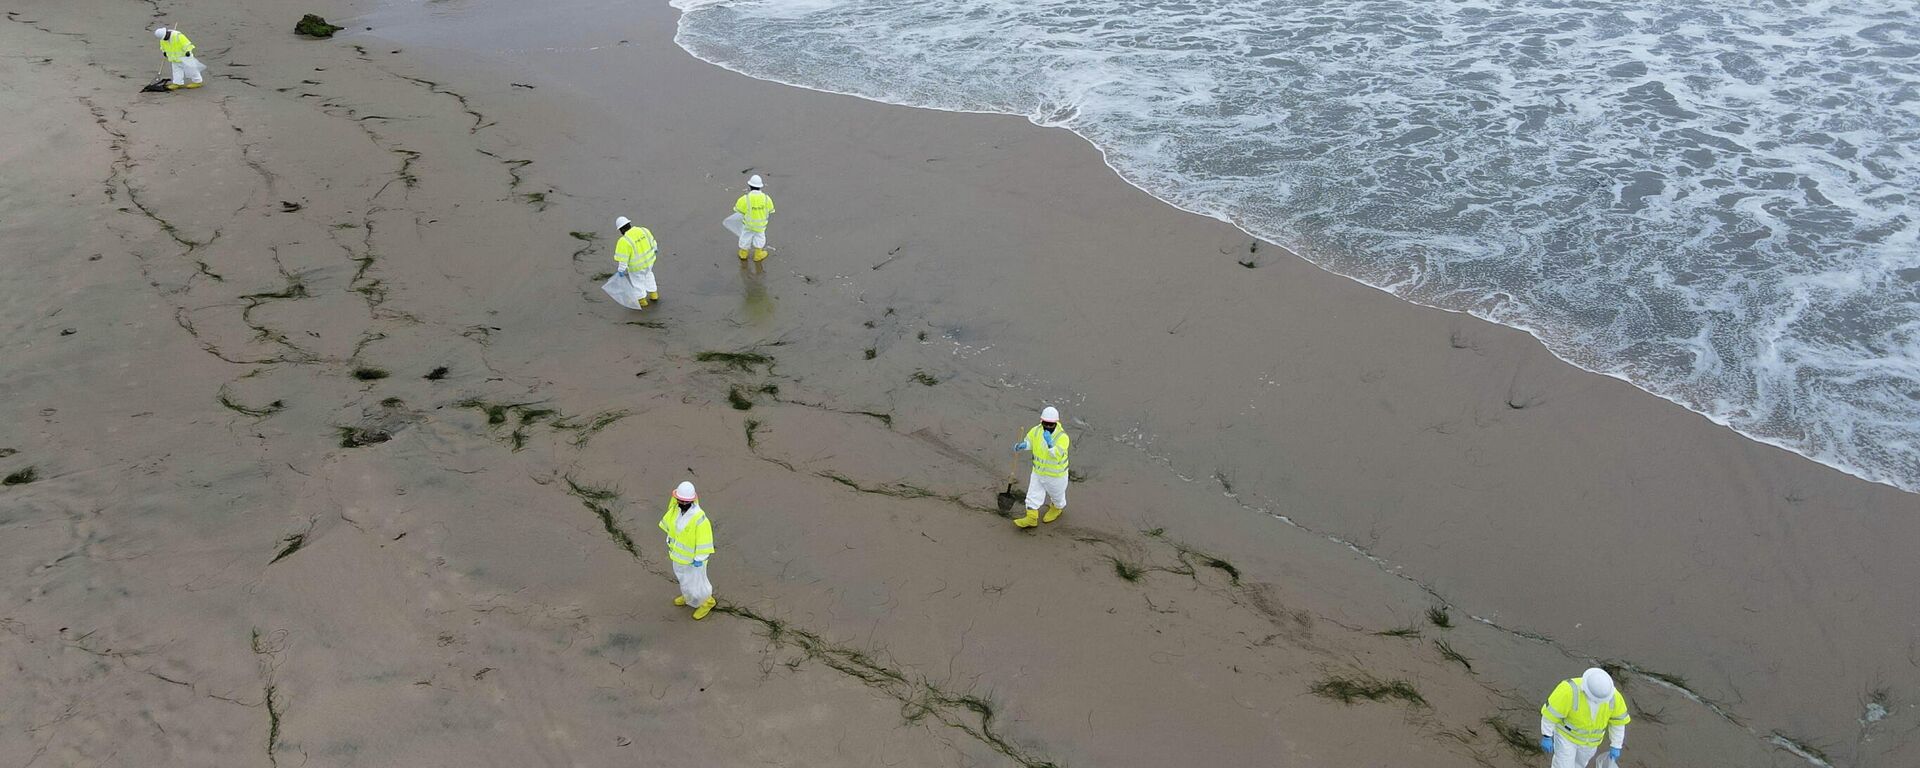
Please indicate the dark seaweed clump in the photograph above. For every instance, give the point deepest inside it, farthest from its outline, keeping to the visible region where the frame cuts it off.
(314, 26)
(1348, 690)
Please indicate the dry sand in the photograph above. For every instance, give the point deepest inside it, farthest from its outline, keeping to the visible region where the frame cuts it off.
(203, 574)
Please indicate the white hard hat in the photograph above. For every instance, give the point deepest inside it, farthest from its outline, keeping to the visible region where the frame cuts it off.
(685, 492)
(160, 33)
(755, 182)
(1049, 414)
(621, 221)
(1598, 684)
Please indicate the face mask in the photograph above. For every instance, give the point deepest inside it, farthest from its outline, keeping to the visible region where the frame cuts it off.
(1048, 425)
(685, 505)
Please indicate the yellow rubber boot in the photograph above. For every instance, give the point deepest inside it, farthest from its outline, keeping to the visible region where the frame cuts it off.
(759, 254)
(194, 85)
(653, 296)
(643, 302)
(680, 600)
(177, 86)
(1053, 513)
(743, 254)
(1031, 520)
(704, 609)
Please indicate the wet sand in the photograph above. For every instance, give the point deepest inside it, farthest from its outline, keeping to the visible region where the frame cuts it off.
(204, 574)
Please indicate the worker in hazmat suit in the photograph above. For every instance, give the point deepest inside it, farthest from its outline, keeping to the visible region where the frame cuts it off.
(633, 257)
(754, 207)
(1048, 483)
(1577, 714)
(689, 546)
(188, 72)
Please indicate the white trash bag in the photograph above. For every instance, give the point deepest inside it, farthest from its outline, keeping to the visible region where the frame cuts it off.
(623, 291)
(735, 224)
(694, 585)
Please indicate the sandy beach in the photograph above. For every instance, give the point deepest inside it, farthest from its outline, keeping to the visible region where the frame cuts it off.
(340, 457)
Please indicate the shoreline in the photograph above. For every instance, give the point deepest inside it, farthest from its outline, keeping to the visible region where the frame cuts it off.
(1531, 330)
(879, 609)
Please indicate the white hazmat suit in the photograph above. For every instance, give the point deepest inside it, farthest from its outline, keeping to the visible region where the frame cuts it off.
(1597, 692)
(185, 66)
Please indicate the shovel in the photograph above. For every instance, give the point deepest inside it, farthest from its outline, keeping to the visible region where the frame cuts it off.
(1010, 498)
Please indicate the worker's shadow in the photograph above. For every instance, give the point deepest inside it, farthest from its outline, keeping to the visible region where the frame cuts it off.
(756, 306)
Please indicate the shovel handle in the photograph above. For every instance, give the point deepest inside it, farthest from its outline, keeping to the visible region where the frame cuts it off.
(1013, 470)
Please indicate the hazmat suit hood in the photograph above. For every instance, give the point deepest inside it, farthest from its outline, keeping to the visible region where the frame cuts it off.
(1598, 686)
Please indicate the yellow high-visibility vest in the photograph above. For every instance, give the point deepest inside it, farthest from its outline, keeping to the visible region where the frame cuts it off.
(636, 250)
(754, 208)
(1049, 462)
(1567, 709)
(695, 541)
(177, 47)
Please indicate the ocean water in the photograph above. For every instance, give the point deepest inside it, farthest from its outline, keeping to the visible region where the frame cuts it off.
(1716, 200)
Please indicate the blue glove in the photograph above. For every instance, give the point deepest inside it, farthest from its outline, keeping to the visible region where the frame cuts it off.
(1546, 744)
(1021, 446)
(1614, 753)
(699, 563)
(621, 271)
